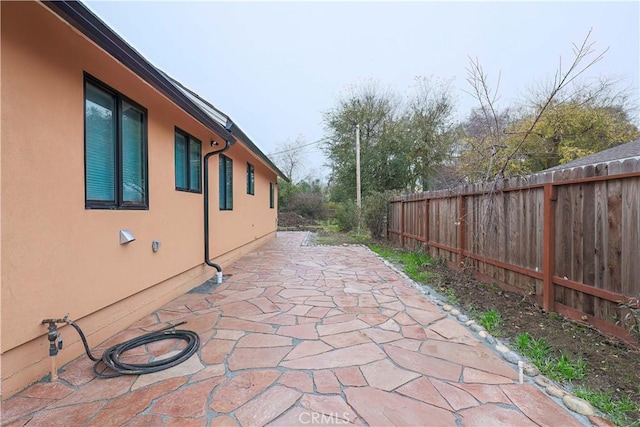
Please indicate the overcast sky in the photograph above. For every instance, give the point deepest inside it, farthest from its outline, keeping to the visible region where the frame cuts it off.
(274, 67)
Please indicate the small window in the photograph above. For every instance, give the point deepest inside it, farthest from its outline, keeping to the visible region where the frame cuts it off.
(226, 183)
(272, 201)
(188, 162)
(115, 149)
(251, 179)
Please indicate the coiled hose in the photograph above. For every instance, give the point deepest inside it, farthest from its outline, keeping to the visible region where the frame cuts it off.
(111, 356)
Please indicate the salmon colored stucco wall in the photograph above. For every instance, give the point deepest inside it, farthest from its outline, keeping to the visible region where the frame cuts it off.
(57, 256)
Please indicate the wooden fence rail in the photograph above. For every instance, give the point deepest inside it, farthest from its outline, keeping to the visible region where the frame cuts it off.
(570, 239)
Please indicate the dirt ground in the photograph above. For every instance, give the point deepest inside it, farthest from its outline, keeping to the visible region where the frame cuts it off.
(611, 366)
(291, 221)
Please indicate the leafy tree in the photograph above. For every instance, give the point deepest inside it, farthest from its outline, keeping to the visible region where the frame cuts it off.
(430, 131)
(570, 130)
(374, 110)
(401, 147)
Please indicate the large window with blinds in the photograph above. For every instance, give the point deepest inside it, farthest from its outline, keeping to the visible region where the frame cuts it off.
(115, 149)
(188, 162)
(226, 183)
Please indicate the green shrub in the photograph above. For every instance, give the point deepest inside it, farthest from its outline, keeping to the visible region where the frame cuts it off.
(308, 205)
(346, 216)
(375, 213)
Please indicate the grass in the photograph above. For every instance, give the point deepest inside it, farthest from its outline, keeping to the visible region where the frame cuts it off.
(616, 410)
(384, 251)
(414, 263)
(560, 368)
(330, 227)
(328, 237)
(564, 368)
(491, 321)
(536, 350)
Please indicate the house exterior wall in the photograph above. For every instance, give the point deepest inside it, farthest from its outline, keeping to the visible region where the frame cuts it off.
(57, 256)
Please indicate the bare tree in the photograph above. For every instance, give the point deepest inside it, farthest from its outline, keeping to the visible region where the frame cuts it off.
(290, 157)
(557, 90)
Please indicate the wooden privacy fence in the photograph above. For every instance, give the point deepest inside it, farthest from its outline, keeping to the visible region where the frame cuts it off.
(570, 239)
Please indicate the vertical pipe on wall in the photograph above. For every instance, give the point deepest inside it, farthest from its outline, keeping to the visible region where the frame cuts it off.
(207, 259)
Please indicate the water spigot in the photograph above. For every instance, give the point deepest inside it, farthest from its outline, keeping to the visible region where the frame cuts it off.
(55, 341)
(52, 336)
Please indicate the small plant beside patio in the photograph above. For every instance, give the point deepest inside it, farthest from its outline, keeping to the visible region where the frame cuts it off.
(564, 368)
(617, 411)
(413, 263)
(537, 350)
(491, 321)
(560, 368)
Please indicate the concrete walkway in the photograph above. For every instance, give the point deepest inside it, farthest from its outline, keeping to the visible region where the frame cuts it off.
(301, 336)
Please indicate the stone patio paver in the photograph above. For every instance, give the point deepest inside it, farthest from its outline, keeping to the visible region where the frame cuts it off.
(495, 416)
(267, 406)
(351, 376)
(385, 375)
(381, 408)
(330, 406)
(301, 336)
(326, 382)
(298, 380)
(423, 389)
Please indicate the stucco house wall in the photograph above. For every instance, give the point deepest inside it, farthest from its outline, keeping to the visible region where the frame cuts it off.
(58, 257)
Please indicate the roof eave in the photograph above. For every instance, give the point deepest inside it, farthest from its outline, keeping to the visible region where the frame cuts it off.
(85, 21)
(247, 141)
(232, 127)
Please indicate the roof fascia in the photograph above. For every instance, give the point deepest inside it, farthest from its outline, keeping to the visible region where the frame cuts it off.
(85, 21)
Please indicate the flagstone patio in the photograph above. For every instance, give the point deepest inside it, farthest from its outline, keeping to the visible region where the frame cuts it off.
(298, 336)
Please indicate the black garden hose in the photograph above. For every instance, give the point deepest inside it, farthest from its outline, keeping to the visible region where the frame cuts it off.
(111, 356)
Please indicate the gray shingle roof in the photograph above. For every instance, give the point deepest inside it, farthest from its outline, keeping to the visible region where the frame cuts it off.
(619, 152)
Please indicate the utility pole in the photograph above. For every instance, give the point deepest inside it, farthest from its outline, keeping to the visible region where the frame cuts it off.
(358, 190)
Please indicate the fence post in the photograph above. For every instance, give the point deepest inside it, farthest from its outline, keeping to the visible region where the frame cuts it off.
(549, 246)
(388, 218)
(461, 229)
(402, 223)
(426, 224)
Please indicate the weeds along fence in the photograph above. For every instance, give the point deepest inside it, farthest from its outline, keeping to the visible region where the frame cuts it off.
(568, 239)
